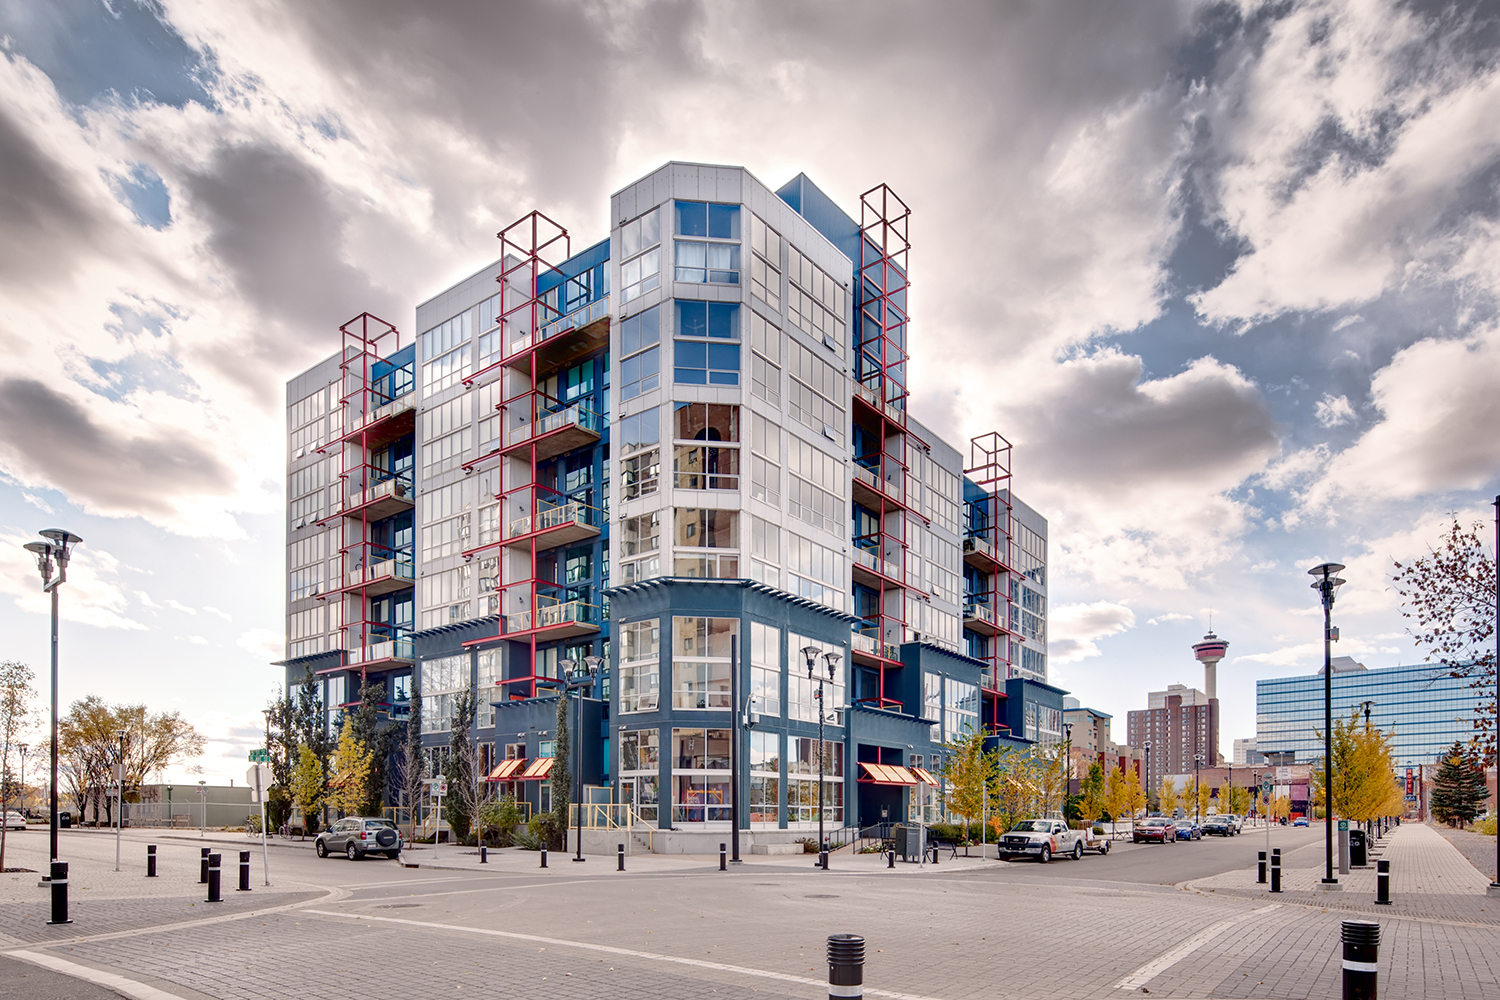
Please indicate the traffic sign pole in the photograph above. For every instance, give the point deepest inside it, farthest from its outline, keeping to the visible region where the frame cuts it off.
(260, 780)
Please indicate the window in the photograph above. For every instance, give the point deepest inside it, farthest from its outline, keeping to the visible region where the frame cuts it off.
(802, 690)
(446, 370)
(699, 363)
(641, 473)
(932, 704)
(765, 552)
(720, 320)
(698, 218)
(640, 371)
(444, 337)
(815, 571)
(700, 775)
(445, 596)
(765, 266)
(640, 274)
(765, 460)
(640, 672)
(700, 467)
(640, 234)
(442, 679)
(706, 529)
(765, 670)
(707, 263)
(765, 370)
(815, 486)
(815, 302)
(765, 778)
(640, 331)
(961, 708)
(638, 436)
(814, 391)
(803, 794)
(640, 547)
(700, 662)
(487, 691)
(305, 560)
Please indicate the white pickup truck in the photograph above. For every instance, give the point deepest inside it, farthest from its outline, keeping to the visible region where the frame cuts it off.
(1045, 839)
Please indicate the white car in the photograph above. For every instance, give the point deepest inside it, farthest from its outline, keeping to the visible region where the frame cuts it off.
(15, 820)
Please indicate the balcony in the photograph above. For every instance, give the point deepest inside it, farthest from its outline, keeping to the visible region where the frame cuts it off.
(867, 563)
(377, 502)
(985, 551)
(865, 640)
(395, 652)
(378, 419)
(554, 525)
(553, 430)
(979, 616)
(558, 619)
(375, 570)
(559, 341)
(879, 478)
(870, 395)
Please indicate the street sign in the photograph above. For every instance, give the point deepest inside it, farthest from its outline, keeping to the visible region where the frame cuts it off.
(260, 756)
(1343, 825)
(439, 786)
(202, 791)
(1265, 786)
(258, 778)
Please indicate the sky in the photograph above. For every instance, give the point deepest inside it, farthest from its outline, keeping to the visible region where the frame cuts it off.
(1225, 274)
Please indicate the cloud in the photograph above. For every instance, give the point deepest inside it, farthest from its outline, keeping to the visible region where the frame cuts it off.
(1170, 616)
(194, 640)
(264, 643)
(38, 503)
(92, 595)
(217, 613)
(1333, 411)
(1075, 628)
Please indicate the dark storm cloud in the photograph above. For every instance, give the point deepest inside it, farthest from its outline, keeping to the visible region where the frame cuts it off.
(45, 437)
(45, 217)
(277, 226)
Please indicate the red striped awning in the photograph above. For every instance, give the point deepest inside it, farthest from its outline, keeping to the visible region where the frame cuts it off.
(925, 776)
(887, 774)
(538, 770)
(506, 770)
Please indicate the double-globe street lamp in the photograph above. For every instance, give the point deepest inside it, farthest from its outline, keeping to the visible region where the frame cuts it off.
(53, 555)
(1327, 583)
(578, 681)
(831, 664)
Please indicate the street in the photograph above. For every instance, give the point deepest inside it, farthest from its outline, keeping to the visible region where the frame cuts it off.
(1102, 926)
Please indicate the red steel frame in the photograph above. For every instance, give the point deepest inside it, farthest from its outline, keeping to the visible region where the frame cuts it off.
(989, 469)
(530, 247)
(364, 340)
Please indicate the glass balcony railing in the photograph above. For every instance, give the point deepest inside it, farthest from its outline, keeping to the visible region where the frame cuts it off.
(576, 415)
(578, 318)
(870, 559)
(551, 615)
(399, 648)
(554, 516)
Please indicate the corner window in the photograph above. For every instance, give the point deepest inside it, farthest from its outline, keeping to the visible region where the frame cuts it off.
(716, 320)
(698, 363)
(710, 263)
(700, 218)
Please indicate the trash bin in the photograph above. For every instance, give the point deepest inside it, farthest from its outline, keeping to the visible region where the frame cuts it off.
(1358, 856)
(65, 820)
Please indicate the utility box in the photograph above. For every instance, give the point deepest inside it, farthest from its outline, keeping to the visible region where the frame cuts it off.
(1358, 849)
(908, 842)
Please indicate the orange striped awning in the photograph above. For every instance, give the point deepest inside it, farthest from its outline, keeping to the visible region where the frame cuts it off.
(538, 770)
(925, 776)
(888, 774)
(506, 770)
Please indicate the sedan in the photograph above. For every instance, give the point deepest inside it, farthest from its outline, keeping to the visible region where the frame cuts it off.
(1300, 821)
(1221, 826)
(15, 820)
(1155, 829)
(1189, 830)
(356, 836)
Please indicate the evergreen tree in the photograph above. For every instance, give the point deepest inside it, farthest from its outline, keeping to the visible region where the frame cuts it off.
(562, 772)
(351, 770)
(413, 760)
(1458, 791)
(459, 805)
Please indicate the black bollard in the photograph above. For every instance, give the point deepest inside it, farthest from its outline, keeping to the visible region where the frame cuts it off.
(151, 861)
(1361, 951)
(203, 866)
(1276, 870)
(890, 858)
(484, 855)
(59, 883)
(621, 855)
(723, 863)
(214, 895)
(244, 872)
(1383, 882)
(1260, 868)
(934, 854)
(846, 966)
(544, 857)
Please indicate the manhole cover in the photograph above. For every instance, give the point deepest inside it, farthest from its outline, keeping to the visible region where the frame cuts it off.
(396, 906)
(820, 895)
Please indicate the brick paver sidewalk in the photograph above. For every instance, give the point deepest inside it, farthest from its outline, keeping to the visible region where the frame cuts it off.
(1429, 879)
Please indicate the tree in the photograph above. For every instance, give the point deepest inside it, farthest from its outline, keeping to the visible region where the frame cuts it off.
(969, 775)
(311, 726)
(282, 746)
(369, 732)
(1458, 791)
(1120, 790)
(1091, 800)
(351, 770)
(462, 768)
(1050, 774)
(562, 772)
(1018, 792)
(413, 760)
(308, 787)
(1238, 799)
(1168, 797)
(15, 718)
(1364, 779)
(1449, 596)
(89, 738)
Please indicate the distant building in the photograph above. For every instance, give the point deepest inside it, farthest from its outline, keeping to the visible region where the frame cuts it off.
(1425, 708)
(1245, 752)
(1178, 724)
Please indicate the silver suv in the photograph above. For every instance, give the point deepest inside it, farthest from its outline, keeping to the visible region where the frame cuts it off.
(356, 836)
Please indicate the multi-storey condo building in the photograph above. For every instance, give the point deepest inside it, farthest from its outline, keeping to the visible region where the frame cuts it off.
(685, 449)
(1178, 725)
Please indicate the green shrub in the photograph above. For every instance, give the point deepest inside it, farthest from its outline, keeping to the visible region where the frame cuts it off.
(1485, 826)
(549, 829)
(498, 818)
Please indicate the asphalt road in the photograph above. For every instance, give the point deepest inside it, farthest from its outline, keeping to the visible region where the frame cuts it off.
(1169, 864)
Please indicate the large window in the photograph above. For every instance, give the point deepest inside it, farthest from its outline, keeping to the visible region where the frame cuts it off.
(700, 775)
(932, 703)
(765, 360)
(815, 486)
(442, 680)
(640, 758)
(700, 662)
(640, 671)
(802, 702)
(700, 260)
(765, 670)
(960, 708)
(709, 531)
(698, 466)
(701, 218)
(640, 547)
(765, 778)
(765, 551)
(816, 571)
(765, 460)
(815, 302)
(445, 596)
(446, 352)
(638, 438)
(802, 791)
(813, 392)
(641, 270)
(700, 363)
(487, 691)
(712, 320)
(640, 367)
(765, 265)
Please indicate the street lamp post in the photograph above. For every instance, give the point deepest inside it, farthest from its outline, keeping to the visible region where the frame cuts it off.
(119, 796)
(830, 662)
(22, 748)
(578, 681)
(1198, 788)
(1146, 778)
(55, 551)
(1067, 771)
(1327, 584)
(1494, 889)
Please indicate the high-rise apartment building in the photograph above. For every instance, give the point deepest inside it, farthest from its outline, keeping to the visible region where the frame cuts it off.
(1177, 726)
(683, 447)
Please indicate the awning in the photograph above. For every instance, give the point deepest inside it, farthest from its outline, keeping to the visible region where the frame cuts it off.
(888, 774)
(925, 776)
(506, 770)
(538, 770)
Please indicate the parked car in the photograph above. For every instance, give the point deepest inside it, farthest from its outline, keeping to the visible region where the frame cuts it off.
(1219, 826)
(15, 820)
(1300, 821)
(356, 836)
(1046, 838)
(1155, 829)
(1238, 821)
(1188, 829)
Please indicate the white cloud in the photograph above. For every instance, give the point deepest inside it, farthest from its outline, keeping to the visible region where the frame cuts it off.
(1333, 411)
(194, 640)
(92, 595)
(1170, 616)
(264, 643)
(37, 502)
(1075, 628)
(217, 613)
